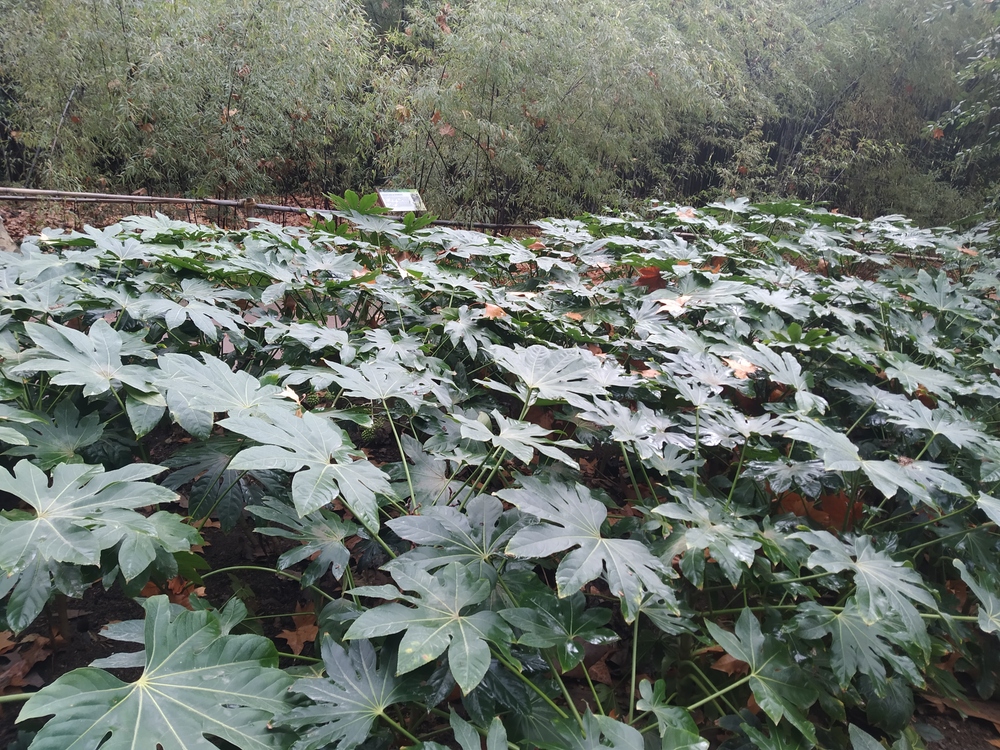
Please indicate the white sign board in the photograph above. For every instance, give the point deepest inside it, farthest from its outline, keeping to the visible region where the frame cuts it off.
(401, 201)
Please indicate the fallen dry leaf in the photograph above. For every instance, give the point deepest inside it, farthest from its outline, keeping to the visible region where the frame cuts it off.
(305, 630)
(574, 316)
(674, 306)
(960, 590)
(492, 311)
(6, 641)
(731, 665)
(987, 711)
(178, 590)
(649, 277)
(741, 368)
(599, 672)
(16, 666)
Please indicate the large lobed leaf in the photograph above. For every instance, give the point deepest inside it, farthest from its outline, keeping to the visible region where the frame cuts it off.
(573, 522)
(198, 683)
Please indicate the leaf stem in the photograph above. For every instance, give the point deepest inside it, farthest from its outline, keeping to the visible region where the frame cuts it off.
(635, 652)
(929, 521)
(720, 693)
(932, 542)
(631, 474)
(593, 690)
(300, 657)
(739, 468)
(706, 684)
(263, 569)
(565, 690)
(541, 693)
(399, 728)
(15, 697)
(858, 420)
(402, 454)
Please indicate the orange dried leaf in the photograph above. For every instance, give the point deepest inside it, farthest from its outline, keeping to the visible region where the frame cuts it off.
(599, 672)
(650, 278)
(731, 665)
(574, 316)
(492, 311)
(959, 590)
(741, 368)
(837, 506)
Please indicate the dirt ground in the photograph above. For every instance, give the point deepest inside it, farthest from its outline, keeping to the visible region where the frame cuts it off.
(22, 218)
(959, 734)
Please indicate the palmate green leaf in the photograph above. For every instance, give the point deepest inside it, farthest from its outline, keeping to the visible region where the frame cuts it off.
(731, 540)
(861, 740)
(782, 367)
(347, 701)
(59, 438)
(474, 538)
(940, 295)
(382, 380)
(321, 534)
(944, 421)
(646, 431)
(436, 622)
(82, 511)
(216, 489)
(884, 586)
(197, 683)
(9, 416)
(838, 453)
(779, 738)
(574, 518)
(520, 438)
(198, 302)
(196, 391)
(547, 374)
(322, 457)
(858, 646)
(92, 360)
(432, 477)
(989, 602)
(600, 732)
(780, 688)
(912, 376)
(462, 325)
(563, 624)
(677, 729)
(468, 738)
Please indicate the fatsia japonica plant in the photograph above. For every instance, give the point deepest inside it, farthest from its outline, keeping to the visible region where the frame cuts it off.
(722, 477)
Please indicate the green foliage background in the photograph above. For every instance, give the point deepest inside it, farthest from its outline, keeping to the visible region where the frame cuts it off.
(509, 109)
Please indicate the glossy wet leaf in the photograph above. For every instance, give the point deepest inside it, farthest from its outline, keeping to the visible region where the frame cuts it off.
(318, 451)
(197, 683)
(572, 522)
(347, 701)
(780, 687)
(444, 617)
